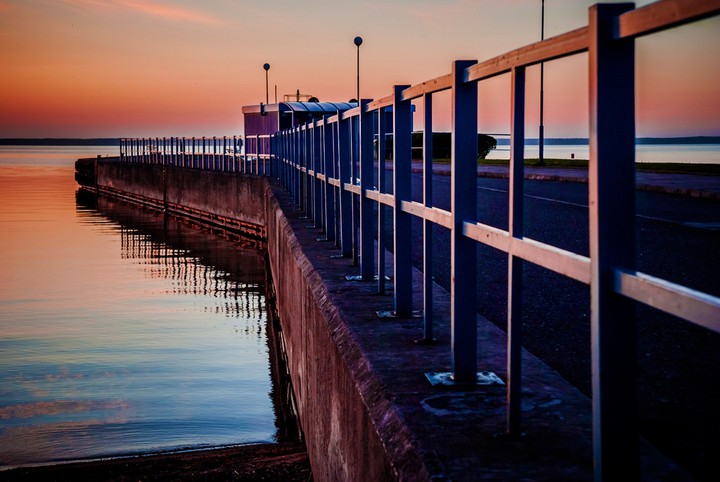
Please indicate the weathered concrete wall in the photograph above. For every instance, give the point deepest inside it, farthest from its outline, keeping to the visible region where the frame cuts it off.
(229, 200)
(352, 431)
(347, 422)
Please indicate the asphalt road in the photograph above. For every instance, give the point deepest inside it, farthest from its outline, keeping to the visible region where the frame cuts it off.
(677, 239)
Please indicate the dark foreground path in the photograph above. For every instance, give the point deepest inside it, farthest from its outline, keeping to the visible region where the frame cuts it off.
(677, 236)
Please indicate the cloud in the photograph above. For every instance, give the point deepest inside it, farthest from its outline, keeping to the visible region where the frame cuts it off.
(162, 10)
(169, 12)
(432, 14)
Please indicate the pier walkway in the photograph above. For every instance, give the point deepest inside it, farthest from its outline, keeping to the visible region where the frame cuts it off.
(458, 431)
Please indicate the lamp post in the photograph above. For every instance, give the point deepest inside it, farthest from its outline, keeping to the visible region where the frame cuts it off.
(358, 41)
(541, 138)
(267, 98)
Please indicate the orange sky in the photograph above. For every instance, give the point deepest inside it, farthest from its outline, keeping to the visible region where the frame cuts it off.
(95, 68)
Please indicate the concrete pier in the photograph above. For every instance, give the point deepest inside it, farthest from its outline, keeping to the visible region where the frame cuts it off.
(366, 407)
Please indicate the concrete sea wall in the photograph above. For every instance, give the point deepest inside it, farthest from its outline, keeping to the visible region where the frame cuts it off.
(229, 201)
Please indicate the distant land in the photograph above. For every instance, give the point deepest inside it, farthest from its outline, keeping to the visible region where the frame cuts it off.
(50, 141)
(558, 141)
(583, 141)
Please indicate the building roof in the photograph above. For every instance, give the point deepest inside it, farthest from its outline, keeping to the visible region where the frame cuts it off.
(314, 107)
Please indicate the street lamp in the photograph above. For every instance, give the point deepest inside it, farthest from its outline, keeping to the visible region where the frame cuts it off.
(358, 41)
(541, 138)
(267, 98)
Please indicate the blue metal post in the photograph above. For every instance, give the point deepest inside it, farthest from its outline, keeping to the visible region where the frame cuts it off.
(346, 224)
(612, 244)
(515, 265)
(402, 159)
(282, 156)
(235, 154)
(290, 158)
(336, 175)
(463, 205)
(307, 165)
(354, 174)
(317, 170)
(382, 188)
(301, 164)
(367, 225)
(427, 226)
(224, 155)
(297, 163)
(294, 163)
(309, 201)
(301, 174)
(286, 159)
(327, 159)
(214, 154)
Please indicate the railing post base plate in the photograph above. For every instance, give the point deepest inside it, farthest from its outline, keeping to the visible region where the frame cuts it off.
(446, 379)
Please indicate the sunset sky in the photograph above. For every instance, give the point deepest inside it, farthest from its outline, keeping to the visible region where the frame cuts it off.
(122, 68)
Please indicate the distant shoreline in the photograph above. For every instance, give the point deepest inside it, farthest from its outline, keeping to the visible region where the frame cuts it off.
(115, 141)
(50, 141)
(583, 141)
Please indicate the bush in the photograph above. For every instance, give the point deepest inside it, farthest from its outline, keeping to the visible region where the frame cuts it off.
(442, 143)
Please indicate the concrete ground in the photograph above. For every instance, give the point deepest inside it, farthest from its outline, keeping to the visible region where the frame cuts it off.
(460, 431)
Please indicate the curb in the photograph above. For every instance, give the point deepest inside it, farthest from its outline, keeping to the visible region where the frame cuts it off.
(686, 192)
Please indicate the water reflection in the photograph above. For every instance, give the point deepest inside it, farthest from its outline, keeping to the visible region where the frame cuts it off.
(123, 331)
(229, 269)
(225, 266)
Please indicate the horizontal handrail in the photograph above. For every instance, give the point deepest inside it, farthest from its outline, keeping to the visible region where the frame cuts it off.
(386, 101)
(660, 16)
(563, 45)
(691, 305)
(222, 154)
(437, 84)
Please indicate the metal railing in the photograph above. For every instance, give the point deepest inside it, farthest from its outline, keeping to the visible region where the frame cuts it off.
(222, 154)
(329, 167)
(257, 151)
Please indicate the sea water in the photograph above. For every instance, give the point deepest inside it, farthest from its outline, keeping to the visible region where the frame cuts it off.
(121, 331)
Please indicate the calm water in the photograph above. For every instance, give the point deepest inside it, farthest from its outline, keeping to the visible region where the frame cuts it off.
(120, 332)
